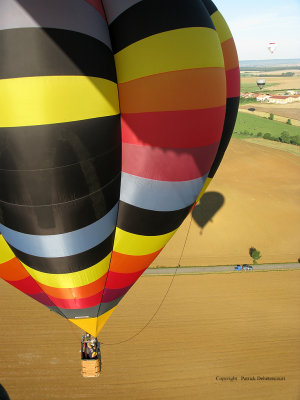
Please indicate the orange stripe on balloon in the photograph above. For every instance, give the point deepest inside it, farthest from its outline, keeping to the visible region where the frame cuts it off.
(230, 54)
(13, 270)
(176, 90)
(78, 292)
(123, 263)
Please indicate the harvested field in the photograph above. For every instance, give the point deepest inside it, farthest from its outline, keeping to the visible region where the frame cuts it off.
(252, 201)
(286, 111)
(275, 145)
(217, 325)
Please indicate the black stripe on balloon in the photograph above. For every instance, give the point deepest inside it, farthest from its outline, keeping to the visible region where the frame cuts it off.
(59, 185)
(48, 51)
(69, 264)
(150, 17)
(55, 145)
(148, 222)
(211, 8)
(232, 105)
(61, 218)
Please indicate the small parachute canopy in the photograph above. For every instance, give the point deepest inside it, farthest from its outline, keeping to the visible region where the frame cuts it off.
(260, 83)
(272, 47)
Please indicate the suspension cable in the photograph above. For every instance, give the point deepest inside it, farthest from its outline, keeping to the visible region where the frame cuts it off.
(163, 299)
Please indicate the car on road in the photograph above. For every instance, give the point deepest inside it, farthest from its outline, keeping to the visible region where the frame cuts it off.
(247, 267)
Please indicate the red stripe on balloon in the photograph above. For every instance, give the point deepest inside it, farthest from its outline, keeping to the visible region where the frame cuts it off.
(167, 164)
(233, 82)
(43, 299)
(176, 129)
(118, 281)
(76, 303)
(113, 294)
(27, 285)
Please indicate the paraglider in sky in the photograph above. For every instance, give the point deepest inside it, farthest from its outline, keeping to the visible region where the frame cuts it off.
(260, 83)
(114, 119)
(272, 47)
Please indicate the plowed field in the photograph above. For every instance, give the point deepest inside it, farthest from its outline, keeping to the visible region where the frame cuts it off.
(209, 327)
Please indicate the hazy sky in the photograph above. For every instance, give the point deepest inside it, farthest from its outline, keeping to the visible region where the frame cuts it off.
(254, 23)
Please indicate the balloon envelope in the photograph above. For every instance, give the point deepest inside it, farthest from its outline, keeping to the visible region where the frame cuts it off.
(272, 47)
(113, 122)
(260, 83)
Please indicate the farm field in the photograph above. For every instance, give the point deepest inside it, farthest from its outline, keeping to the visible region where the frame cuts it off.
(273, 72)
(286, 111)
(277, 83)
(253, 200)
(255, 124)
(209, 327)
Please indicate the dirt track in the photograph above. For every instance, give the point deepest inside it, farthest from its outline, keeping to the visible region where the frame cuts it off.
(210, 325)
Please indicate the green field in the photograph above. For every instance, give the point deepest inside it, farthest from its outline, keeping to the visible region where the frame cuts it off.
(254, 125)
(252, 87)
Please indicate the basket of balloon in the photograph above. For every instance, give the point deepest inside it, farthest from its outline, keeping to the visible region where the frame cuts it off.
(90, 368)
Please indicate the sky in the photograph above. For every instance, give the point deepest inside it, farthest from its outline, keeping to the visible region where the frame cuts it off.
(255, 23)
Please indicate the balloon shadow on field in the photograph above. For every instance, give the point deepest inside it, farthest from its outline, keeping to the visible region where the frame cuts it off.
(210, 203)
(3, 393)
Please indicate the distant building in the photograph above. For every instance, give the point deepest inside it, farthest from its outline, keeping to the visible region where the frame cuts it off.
(278, 99)
(263, 97)
(292, 92)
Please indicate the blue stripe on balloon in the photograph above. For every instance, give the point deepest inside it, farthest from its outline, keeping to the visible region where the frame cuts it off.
(65, 244)
(159, 195)
(73, 15)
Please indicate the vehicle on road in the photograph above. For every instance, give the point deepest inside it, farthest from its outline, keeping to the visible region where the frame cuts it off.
(247, 267)
(244, 267)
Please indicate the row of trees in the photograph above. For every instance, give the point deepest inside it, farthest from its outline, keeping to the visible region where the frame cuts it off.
(284, 137)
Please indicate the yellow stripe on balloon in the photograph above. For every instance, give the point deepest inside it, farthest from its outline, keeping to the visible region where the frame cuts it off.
(139, 245)
(179, 49)
(54, 99)
(205, 186)
(73, 279)
(92, 325)
(221, 26)
(5, 252)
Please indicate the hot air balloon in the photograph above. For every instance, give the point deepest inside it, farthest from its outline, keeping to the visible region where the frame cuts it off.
(114, 119)
(260, 83)
(272, 47)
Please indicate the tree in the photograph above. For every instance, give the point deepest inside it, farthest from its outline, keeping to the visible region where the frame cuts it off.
(289, 122)
(271, 117)
(285, 137)
(267, 136)
(255, 254)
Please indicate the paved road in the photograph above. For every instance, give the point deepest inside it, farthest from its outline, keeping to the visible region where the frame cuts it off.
(225, 268)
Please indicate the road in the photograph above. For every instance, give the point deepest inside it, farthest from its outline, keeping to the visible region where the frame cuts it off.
(224, 268)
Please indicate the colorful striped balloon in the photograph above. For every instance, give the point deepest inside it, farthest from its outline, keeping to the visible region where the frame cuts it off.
(114, 118)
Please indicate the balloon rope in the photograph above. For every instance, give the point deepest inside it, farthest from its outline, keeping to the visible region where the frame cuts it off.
(163, 299)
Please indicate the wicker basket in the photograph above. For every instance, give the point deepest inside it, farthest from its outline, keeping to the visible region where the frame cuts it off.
(90, 368)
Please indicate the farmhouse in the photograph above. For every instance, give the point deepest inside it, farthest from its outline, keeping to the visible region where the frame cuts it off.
(263, 97)
(278, 99)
